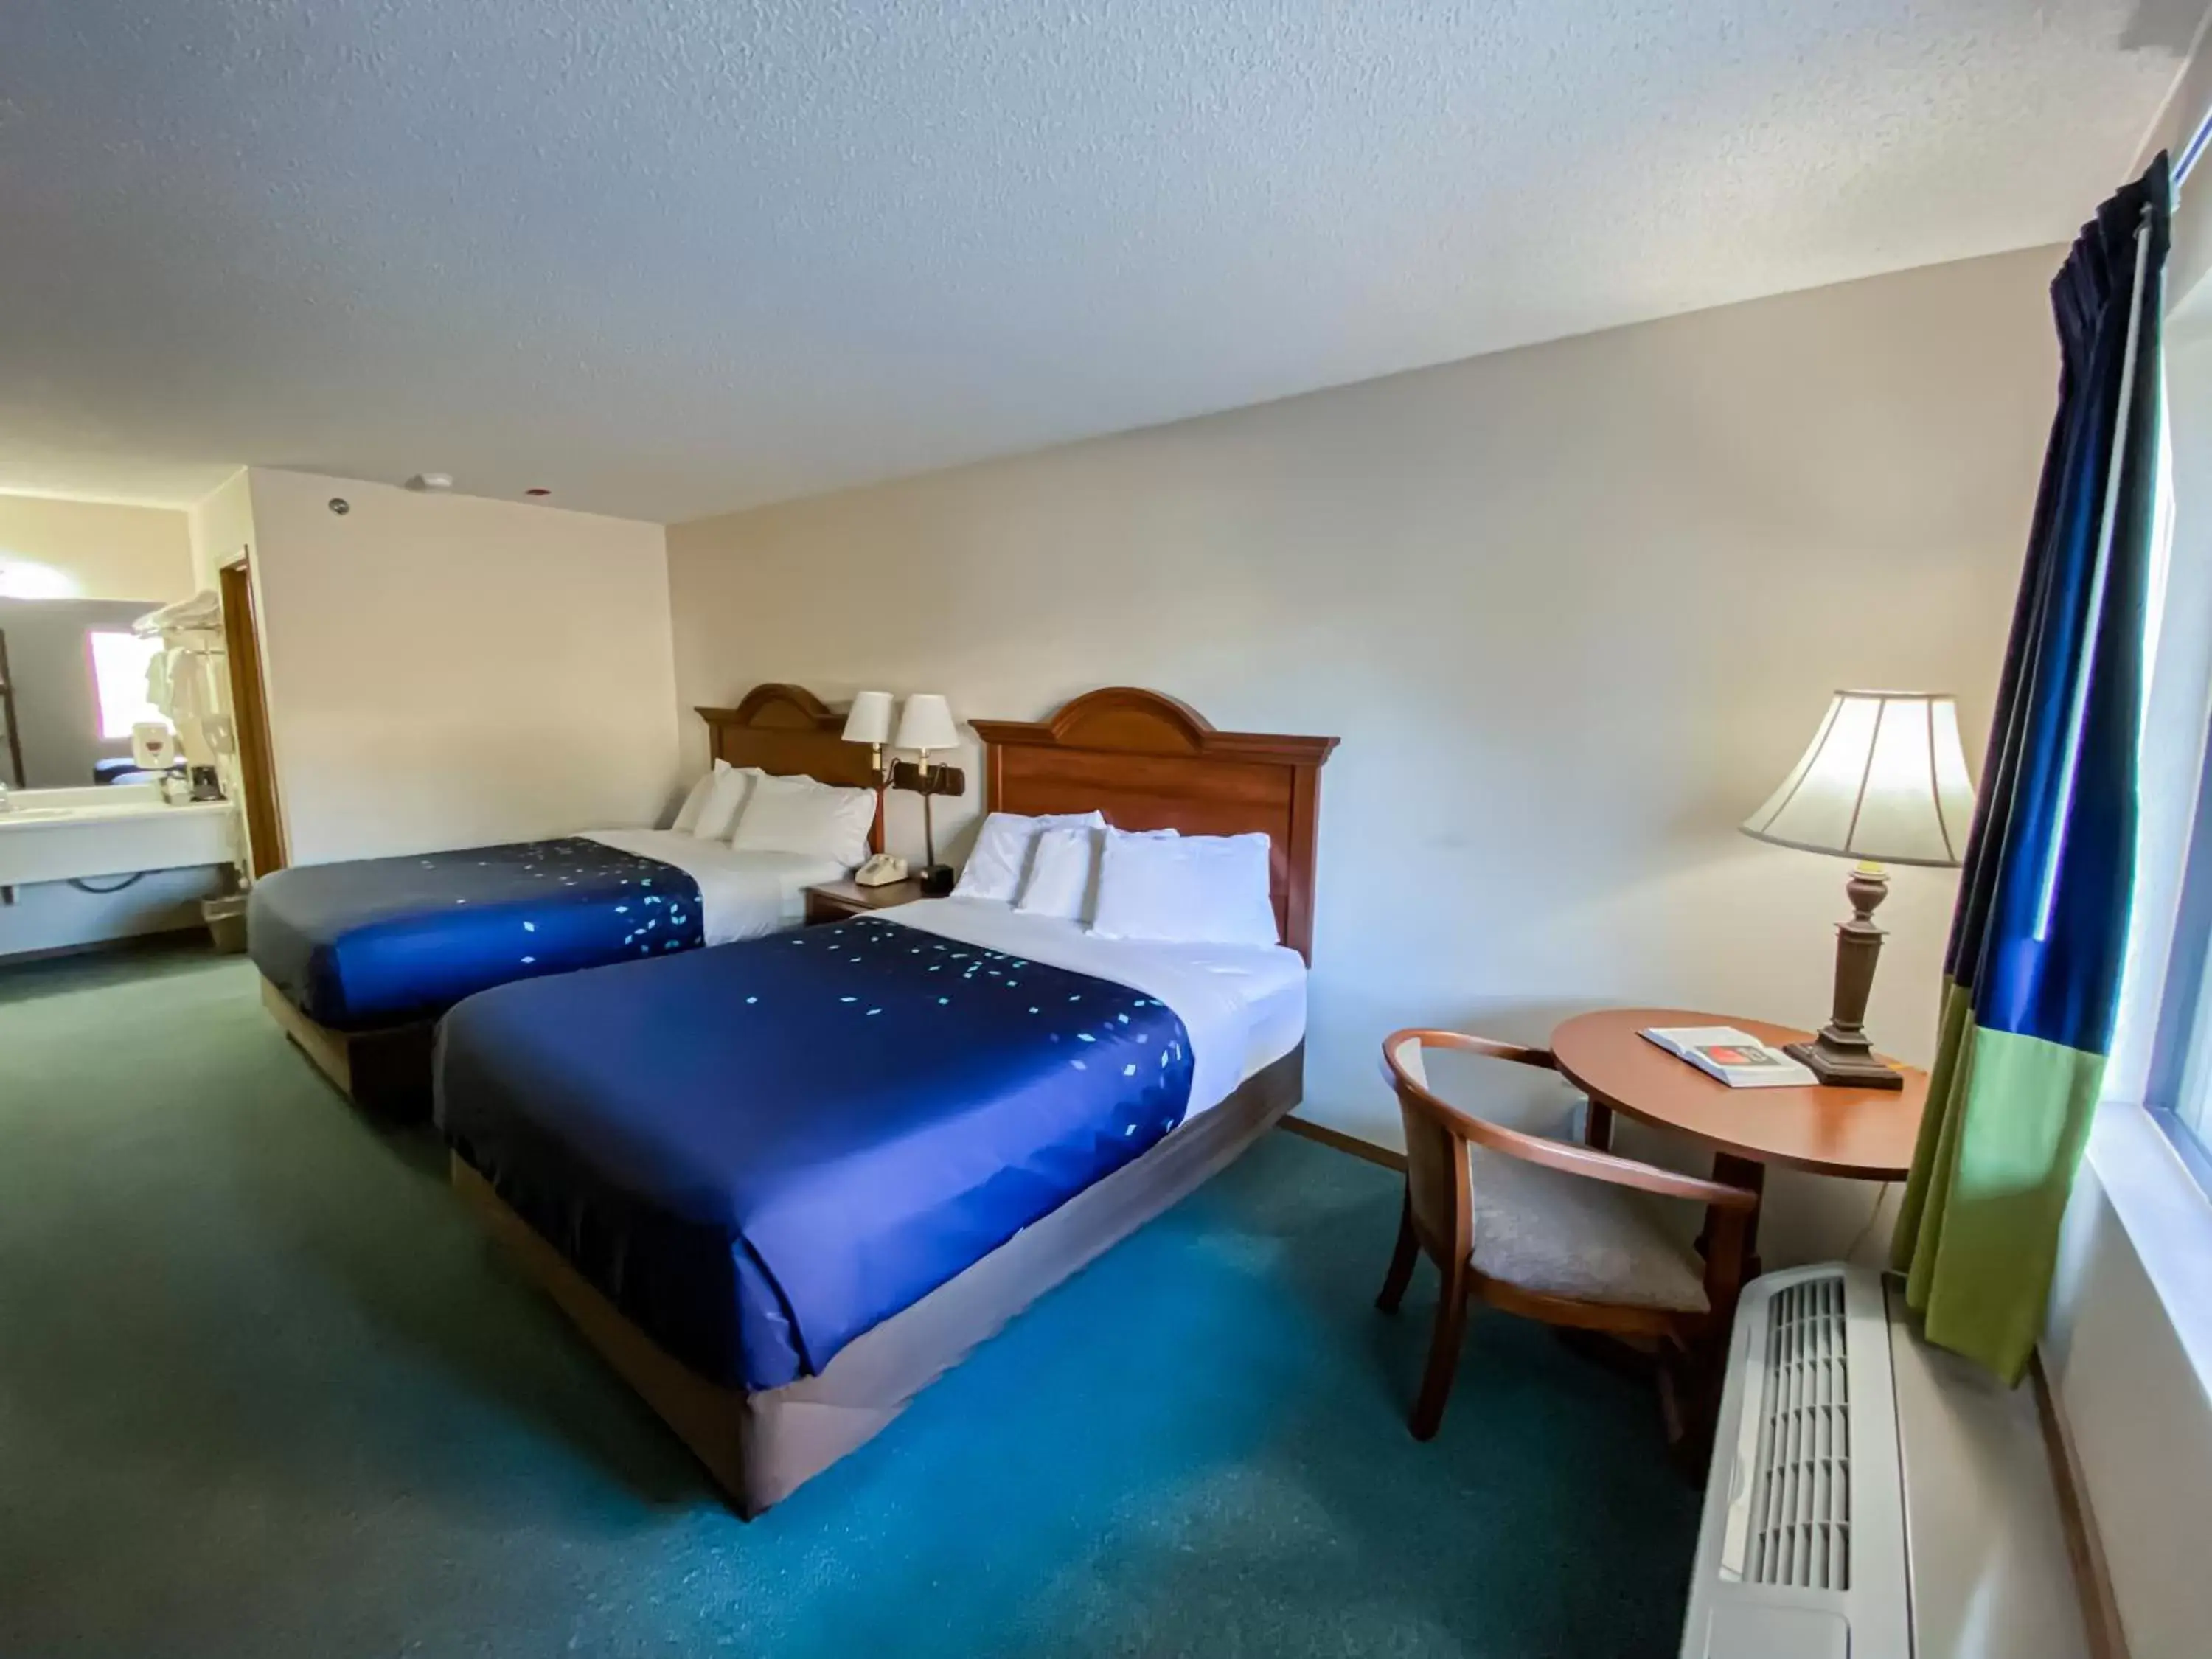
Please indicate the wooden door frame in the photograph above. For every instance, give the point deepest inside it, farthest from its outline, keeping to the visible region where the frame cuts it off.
(8, 715)
(249, 708)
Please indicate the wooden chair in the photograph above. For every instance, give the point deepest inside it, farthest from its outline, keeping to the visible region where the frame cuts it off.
(1550, 1229)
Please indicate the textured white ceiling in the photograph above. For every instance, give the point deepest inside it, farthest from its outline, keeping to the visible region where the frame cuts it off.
(676, 258)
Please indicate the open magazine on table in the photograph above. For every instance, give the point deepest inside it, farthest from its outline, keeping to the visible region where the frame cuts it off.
(1736, 1058)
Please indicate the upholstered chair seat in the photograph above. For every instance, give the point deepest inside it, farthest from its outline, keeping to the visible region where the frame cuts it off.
(1514, 1214)
(1567, 1235)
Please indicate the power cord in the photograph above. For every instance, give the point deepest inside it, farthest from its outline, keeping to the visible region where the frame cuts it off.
(87, 887)
(1872, 1216)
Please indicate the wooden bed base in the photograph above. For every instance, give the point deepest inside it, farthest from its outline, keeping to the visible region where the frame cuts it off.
(386, 1071)
(760, 1446)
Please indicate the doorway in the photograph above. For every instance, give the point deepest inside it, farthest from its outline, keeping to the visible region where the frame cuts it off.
(16, 776)
(249, 705)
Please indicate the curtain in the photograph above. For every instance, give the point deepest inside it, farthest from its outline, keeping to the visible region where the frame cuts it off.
(2032, 967)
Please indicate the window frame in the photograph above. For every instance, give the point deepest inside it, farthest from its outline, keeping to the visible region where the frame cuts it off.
(2179, 1083)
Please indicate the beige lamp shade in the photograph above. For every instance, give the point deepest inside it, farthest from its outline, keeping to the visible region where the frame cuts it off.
(870, 720)
(1884, 780)
(926, 723)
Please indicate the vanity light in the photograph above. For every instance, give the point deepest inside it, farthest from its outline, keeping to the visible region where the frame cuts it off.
(21, 579)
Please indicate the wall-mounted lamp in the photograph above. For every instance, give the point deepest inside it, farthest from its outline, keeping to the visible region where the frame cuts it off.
(925, 726)
(869, 721)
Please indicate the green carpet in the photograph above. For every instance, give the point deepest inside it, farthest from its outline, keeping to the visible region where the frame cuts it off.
(264, 1391)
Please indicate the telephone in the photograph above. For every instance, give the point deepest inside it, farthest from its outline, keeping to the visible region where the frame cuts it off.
(880, 871)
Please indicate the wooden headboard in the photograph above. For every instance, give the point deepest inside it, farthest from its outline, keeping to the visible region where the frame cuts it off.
(1148, 762)
(788, 731)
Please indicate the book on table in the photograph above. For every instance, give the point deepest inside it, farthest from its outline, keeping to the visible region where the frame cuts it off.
(1736, 1058)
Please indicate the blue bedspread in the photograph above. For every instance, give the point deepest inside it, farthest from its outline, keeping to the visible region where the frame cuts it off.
(760, 1151)
(376, 942)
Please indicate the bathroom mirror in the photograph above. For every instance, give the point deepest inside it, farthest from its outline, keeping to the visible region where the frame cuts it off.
(72, 681)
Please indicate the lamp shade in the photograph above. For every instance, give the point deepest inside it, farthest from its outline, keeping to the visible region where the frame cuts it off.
(870, 720)
(926, 723)
(1884, 780)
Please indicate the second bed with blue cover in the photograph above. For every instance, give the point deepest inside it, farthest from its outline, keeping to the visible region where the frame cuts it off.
(371, 943)
(760, 1151)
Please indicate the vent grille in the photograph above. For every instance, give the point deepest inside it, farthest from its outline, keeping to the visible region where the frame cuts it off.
(1801, 1496)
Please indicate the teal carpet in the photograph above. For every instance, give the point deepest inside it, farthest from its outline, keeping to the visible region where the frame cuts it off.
(264, 1391)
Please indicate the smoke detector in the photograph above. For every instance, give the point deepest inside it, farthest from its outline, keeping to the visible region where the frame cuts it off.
(431, 481)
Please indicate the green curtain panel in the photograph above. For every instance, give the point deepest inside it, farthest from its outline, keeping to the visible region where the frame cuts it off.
(2032, 972)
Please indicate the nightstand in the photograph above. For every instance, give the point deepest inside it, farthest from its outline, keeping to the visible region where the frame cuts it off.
(840, 901)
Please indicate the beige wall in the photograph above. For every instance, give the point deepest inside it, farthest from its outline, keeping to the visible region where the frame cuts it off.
(105, 551)
(221, 528)
(2125, 1350)
(1573, 609)
(445, 671)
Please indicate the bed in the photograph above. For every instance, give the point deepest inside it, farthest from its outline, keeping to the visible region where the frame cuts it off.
(784, 1185)
(359, 959)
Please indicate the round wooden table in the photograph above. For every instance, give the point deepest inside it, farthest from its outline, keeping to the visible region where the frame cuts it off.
(1865, 1133)
(1868, 1133)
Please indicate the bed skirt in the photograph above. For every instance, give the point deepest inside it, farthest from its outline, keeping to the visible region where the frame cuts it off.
(761, 1446)
(386, 1071)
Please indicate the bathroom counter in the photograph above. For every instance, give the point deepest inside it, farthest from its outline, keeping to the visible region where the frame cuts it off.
(75, 835)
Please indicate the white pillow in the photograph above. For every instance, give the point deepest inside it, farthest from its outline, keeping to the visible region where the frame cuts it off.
(802, 815)
(725, 800)
(688, 814)
(1190, 889)
(1063, 873)
(994, 869)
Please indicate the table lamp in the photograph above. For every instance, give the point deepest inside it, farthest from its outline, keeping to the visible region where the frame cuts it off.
(925, 726)
(1884, 781)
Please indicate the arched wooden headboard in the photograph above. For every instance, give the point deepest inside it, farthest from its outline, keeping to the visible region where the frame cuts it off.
(1149, 762)
(788, 731)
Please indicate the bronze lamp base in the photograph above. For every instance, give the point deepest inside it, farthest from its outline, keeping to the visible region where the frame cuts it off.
(929, 781)
(1841, 1054)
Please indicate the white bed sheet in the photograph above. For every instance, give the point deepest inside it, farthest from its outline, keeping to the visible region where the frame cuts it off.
(1243, 1006)
(741, 895)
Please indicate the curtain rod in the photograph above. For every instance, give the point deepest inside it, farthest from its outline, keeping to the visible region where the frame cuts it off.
(2192, 150)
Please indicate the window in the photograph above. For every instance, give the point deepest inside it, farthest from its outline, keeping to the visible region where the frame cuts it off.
(2167, 992)
(2180, 1088)
(2189, 1096)
(119, 662)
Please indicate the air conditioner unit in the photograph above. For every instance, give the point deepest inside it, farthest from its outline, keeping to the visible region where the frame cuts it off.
(1872, 1498)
